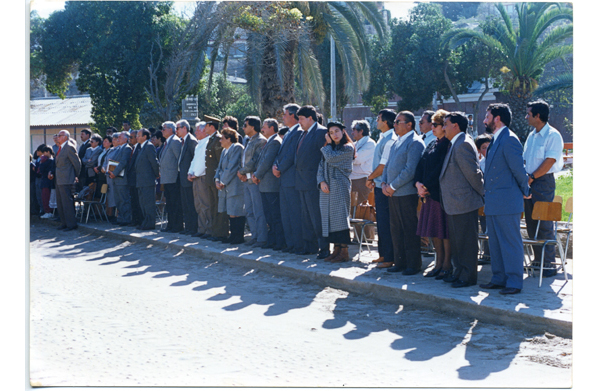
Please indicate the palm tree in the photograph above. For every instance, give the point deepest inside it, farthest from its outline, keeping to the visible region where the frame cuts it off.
(538, 36)
(281, 38)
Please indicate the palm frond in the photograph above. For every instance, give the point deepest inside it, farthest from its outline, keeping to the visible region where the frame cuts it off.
(561, 82)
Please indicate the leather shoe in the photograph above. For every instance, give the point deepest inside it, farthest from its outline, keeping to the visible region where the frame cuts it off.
(443, 274)
(380, 259)
(509, 291)
(61, 228)
(491, 285)
(409, 271)
(460, 284)
(323, 254)
(265, 246)
(198, 235)
(433, 273)
(450, 278)
(184, 232)
(250, 242)
(259, 244)
(71, 228)
(550, 272)
(394, 269)
(205, 236)
(384, 265)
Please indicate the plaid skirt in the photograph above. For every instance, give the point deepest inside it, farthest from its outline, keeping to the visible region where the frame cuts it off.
(432, 220)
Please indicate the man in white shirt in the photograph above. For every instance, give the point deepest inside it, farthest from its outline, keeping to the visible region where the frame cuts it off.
(385, 123)
(543, 158)
(197, 175)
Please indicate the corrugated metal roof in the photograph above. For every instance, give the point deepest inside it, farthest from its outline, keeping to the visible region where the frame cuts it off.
(55, 111)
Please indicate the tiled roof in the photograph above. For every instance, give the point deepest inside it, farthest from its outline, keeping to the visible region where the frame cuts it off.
(55, 111)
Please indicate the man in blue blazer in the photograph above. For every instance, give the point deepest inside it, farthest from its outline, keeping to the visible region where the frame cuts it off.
(284, 168)
(505, 184)
(308, 157)
(147, 171)
(398, 184)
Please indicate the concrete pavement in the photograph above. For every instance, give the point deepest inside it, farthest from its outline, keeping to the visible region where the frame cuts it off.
(539, 310)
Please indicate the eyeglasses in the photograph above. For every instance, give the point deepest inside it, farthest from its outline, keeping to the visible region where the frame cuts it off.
(399, 122)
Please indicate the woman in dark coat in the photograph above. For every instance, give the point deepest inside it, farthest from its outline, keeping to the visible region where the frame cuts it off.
(432, 219)
(334, 182)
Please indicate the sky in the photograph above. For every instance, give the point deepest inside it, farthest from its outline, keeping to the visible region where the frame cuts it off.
(398, 9)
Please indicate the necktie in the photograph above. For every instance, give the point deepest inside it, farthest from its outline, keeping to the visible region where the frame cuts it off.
(304, 133)
(59, 148)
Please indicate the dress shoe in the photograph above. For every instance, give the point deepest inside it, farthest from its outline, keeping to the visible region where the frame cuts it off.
(323, 254)
(265, 246)
(165, 230)
(551, 272)
(61, 228)
(409, 271)
(384, 265)
(380, 259)
(198, 235)
(491, 285)
(343, 256)
(258, 244)
(123, 224)
(205, 236)
(250, 242)
(394, 269)
(147, 228)
(433, 273)
(443, 274)
(71, 228)
(450, 278)
(279, 248)
(237, 241)
(184, 232)
(219, 239)
(460, 284)
(226, 240)
(509, 291)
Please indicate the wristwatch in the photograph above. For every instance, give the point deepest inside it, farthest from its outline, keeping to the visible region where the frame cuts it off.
(531, 176)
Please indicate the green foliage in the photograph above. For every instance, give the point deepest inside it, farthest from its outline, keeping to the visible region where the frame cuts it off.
(458, 10)
(379, 91)
(224, 98)
(564, 188)
(36, 29)
(110, 43)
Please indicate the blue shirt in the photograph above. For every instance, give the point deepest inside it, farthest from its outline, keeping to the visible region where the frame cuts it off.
(547, 143)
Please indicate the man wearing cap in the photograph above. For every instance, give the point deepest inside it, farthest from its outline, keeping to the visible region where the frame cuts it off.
(218, 223)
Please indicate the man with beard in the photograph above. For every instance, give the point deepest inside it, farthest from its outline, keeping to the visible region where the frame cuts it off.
(505, 184)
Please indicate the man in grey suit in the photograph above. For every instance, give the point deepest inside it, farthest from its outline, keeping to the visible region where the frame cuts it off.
(505, 184)
(189, 142)
(147, 171)
(252, 199)
(91, 158)
(268, 184)
(284, 168)
(67, 166)
(308, 157)
(119, 178)
(398, 184)
(169, 177)
(461, 188)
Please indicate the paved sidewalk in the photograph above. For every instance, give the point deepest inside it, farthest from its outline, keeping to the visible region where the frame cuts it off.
(539, 310)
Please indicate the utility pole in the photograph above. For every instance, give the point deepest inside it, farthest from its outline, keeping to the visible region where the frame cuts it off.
(333, 85)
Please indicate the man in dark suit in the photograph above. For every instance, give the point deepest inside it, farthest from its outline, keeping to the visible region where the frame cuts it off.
(284, 168)
(398, 184)
(147, 171)
(461, 188)
(119, 177)
(136, 211)
(268, 184)
(308, 157)
(218, 224)
(67, 167)
(189, 142)
(169, 177)
(86, 143)
(255, 215)
(90, 159)
(505, 184)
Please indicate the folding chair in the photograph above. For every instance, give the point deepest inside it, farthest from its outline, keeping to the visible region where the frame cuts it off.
(96, 206)
(362, 223)
(161, 215)
(567, 230)
(544, 211)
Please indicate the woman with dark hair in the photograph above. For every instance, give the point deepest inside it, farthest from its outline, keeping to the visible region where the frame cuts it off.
(333, 178)
(432, 218)
(231, 189)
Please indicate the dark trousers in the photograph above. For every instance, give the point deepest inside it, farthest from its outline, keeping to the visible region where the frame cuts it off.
(173, 206)
(136, 210)
(289, 203)
(463, 229)
(66, 205)
(46, 191)
(123, 201)
(384, 234)
(148, 206)
(271, 208)
(542, 189)
(312, 231)
(403, 227)
(190, 216)
(219, 222)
